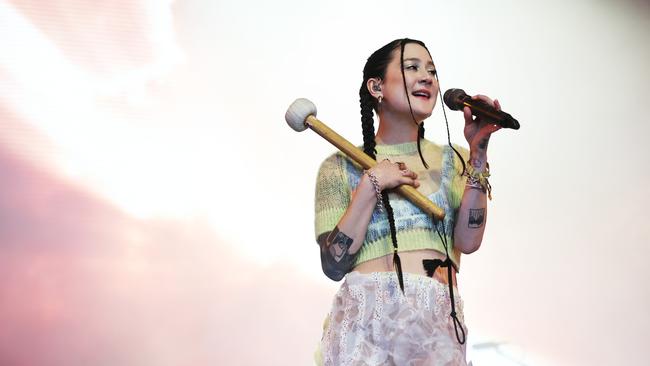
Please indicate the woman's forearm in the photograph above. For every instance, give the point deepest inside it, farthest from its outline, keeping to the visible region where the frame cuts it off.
(470, 222)
(340, 246)
(472, 214)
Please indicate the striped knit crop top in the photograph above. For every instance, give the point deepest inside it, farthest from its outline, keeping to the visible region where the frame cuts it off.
(442, 183)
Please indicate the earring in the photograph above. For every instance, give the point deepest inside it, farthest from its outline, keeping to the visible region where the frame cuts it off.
(379, 99)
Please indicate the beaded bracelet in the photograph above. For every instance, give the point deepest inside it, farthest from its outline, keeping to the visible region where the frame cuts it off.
(479, 180)
(375, 184)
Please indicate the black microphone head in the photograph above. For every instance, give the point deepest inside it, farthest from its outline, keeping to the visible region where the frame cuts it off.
(453, 98)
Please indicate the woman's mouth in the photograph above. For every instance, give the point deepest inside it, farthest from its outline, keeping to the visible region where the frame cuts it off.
(422, 94)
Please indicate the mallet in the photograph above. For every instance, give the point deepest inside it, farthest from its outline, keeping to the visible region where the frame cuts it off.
(301, 115)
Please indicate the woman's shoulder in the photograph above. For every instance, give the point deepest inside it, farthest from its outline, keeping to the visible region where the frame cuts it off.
(334, 159)
(338, 160)
(338, 164)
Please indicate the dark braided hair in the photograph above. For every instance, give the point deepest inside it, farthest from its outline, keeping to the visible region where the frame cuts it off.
(375, 67)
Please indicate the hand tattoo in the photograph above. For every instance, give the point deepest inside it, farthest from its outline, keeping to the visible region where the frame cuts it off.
(483, 144)
(476, 218)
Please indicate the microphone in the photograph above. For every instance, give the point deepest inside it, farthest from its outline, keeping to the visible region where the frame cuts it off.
(456, 99)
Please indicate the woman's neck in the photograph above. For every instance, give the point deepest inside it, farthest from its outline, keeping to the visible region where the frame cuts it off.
(396, 132)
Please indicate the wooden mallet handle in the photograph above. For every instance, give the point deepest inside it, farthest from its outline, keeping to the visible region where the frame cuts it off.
(302, 115)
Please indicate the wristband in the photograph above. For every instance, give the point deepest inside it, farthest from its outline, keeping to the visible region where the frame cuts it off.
(479, 180)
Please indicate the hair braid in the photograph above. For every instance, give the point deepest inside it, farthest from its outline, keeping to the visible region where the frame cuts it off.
(367, 103)
(375, 67)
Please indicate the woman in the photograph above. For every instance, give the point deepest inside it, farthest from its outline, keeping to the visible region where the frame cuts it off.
(396, 306)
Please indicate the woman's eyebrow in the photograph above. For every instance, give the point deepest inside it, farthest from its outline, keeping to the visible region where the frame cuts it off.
(415, 59)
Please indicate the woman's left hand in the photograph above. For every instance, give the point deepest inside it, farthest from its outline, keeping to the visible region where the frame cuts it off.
(478, 130)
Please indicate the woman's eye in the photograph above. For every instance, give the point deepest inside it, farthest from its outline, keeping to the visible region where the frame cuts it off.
(433, 72)
(411, 67)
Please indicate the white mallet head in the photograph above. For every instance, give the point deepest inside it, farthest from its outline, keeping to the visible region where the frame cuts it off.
(298, 111)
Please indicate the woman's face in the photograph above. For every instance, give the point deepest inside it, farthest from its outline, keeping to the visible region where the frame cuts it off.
(421, 84)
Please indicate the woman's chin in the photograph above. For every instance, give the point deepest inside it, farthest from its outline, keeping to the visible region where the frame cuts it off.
(419, 117)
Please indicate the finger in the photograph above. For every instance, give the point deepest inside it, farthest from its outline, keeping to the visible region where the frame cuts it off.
(467, 113)
(410, 181)
(484, 98)
(497, 105)
(409, 173)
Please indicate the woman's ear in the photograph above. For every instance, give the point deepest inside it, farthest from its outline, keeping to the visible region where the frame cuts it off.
(374, 87)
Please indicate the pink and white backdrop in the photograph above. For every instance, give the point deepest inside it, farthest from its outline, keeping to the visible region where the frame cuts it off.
(156, 210)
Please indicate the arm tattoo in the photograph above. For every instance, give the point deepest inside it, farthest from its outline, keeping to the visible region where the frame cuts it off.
(339, 245)
(476, 218)
(334, 256)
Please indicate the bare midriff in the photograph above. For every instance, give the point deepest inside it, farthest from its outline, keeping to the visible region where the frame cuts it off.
(411, 263)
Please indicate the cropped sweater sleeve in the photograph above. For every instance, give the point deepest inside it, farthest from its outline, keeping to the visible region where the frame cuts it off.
(332, 193)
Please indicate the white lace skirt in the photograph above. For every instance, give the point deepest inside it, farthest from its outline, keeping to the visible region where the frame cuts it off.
(373, 323)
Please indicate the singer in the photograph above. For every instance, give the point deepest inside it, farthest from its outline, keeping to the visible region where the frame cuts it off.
(399, 302)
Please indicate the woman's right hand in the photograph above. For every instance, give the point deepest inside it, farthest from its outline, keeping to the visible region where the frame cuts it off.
(390, 175)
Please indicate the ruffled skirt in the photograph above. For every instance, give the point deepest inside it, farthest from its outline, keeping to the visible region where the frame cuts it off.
(373, 324)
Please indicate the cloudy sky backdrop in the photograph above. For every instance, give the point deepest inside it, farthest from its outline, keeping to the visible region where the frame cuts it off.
(155, 209)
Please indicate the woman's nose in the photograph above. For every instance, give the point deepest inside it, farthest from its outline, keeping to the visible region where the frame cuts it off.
(426, 79)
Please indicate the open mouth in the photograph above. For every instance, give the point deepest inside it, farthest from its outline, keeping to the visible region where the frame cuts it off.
(421, 94)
